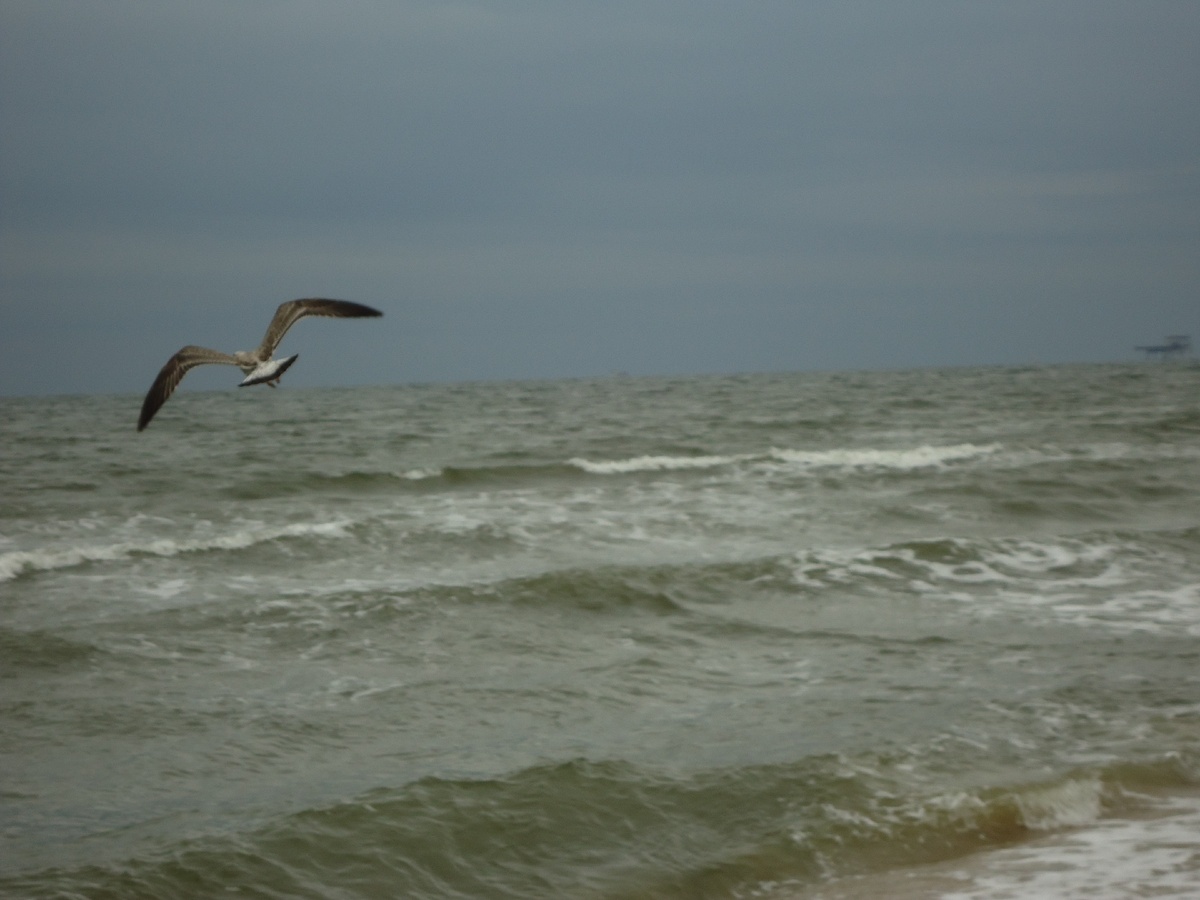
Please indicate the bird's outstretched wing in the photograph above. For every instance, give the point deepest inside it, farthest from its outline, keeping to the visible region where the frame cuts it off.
(291, 311)
(172, 373)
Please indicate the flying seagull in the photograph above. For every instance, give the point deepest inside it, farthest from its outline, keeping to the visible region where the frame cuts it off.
(257, 365)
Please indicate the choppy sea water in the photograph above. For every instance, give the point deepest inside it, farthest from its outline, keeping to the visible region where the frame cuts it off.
(931, 633)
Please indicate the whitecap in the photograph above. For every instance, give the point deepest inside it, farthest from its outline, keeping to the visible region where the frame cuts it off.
(420, 474)
(652, 463)
(925, 456)
(1068, 804)
(19, 562)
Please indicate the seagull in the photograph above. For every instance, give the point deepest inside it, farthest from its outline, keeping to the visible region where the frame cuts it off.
(257, 365)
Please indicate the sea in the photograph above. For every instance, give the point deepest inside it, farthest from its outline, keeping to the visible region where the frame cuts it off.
(907, 634)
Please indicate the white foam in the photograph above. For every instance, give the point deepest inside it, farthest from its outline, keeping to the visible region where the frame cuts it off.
(166, 590)
(1070, 581)
(1069, 804)
(1042, 558)
(652, 463)
(1153, 611)
(18, 562)
(420, 474)
(925, 456)
(1110, 859)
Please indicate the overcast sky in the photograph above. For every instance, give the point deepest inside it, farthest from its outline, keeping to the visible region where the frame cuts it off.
(544, 189)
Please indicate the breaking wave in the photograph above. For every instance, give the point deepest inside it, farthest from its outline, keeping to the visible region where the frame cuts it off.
(17, 563)
(601, 824)
(907, 458)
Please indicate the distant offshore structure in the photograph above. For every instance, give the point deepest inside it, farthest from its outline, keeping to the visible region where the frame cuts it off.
(1175, 345)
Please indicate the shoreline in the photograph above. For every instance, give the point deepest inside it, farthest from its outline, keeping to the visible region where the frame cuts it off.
(1152, 854)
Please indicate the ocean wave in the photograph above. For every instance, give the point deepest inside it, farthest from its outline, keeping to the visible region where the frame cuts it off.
(1112, 860)
(911, 458)
(21, 651)
(365, 482)
(1068, 803)
(239, 536)
(653, 464)
(260, 486)
(1071, 562)
(1096, 579)
(1084, 835)
(922, 457)
(608, 828)
(591, 590)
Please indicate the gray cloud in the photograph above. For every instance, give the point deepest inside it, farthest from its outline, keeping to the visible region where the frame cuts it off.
(536, 189)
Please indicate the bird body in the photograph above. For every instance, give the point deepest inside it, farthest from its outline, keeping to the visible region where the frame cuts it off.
(257, 365)
(268, 372)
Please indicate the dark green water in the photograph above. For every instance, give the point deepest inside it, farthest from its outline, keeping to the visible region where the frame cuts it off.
(748, 636)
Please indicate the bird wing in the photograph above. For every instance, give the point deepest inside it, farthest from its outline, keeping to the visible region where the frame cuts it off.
(172, 373)
(291, 311)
